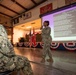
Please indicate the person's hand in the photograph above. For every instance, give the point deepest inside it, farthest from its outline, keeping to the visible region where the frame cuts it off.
(41, 27)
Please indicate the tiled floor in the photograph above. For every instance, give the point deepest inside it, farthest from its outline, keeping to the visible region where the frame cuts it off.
(64, 61)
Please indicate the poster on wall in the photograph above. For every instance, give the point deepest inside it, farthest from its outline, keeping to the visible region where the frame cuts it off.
(27, 15)
(22, 17)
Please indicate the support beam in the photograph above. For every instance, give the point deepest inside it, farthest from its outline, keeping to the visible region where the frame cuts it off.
(9, 9)
(38, 4)
(34, 2)
(14, 1)
(8, 27)
(12, 32)
(32, 7)
(6, 15)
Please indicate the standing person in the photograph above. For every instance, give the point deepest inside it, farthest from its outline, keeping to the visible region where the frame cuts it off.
(8, 59)
(46, 39)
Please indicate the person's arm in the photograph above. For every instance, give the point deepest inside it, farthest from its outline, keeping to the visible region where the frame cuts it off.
(48, 31)
(5, 45)
(10, 46)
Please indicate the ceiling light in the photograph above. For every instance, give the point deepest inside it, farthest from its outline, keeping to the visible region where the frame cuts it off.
(28, 27)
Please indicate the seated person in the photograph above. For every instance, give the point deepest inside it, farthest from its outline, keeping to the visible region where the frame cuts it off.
(9, 61)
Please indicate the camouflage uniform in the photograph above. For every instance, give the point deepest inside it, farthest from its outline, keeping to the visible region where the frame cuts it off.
(8, 59)
(46, 39)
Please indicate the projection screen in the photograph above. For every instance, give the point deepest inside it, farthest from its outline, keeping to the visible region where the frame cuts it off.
(63, 24)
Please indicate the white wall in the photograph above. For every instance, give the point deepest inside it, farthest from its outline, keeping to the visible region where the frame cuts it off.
(36, 11)
(17, 34)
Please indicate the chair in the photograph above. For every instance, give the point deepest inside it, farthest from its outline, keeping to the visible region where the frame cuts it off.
(10, 72)
(5, 73)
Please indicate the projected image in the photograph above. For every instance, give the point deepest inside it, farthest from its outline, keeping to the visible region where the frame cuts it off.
(63, 24)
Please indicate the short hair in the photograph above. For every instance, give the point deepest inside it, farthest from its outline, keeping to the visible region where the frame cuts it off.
(47, 22)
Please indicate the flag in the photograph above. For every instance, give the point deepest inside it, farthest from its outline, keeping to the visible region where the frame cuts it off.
(34, 37)
(30, 38)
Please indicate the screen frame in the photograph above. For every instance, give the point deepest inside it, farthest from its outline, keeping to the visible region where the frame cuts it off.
(59, 9)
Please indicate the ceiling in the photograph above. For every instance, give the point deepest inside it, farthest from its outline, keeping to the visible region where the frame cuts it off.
(12, 8)
(36, 24)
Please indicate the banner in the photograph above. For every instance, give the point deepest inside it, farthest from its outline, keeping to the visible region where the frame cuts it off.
(46, 8)
(30, 39)
(34, 37)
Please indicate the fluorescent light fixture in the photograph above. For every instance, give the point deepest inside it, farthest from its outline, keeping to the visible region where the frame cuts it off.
(28, 27)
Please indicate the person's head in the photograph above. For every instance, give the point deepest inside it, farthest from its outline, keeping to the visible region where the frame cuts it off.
(46, 23)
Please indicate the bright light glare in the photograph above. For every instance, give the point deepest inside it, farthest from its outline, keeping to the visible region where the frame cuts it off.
(28, 27)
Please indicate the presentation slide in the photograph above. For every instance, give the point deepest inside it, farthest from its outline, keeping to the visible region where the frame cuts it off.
(63, 24)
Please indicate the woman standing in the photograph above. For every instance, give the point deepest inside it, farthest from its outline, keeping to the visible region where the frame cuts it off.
(8, 59)
(46, 39)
